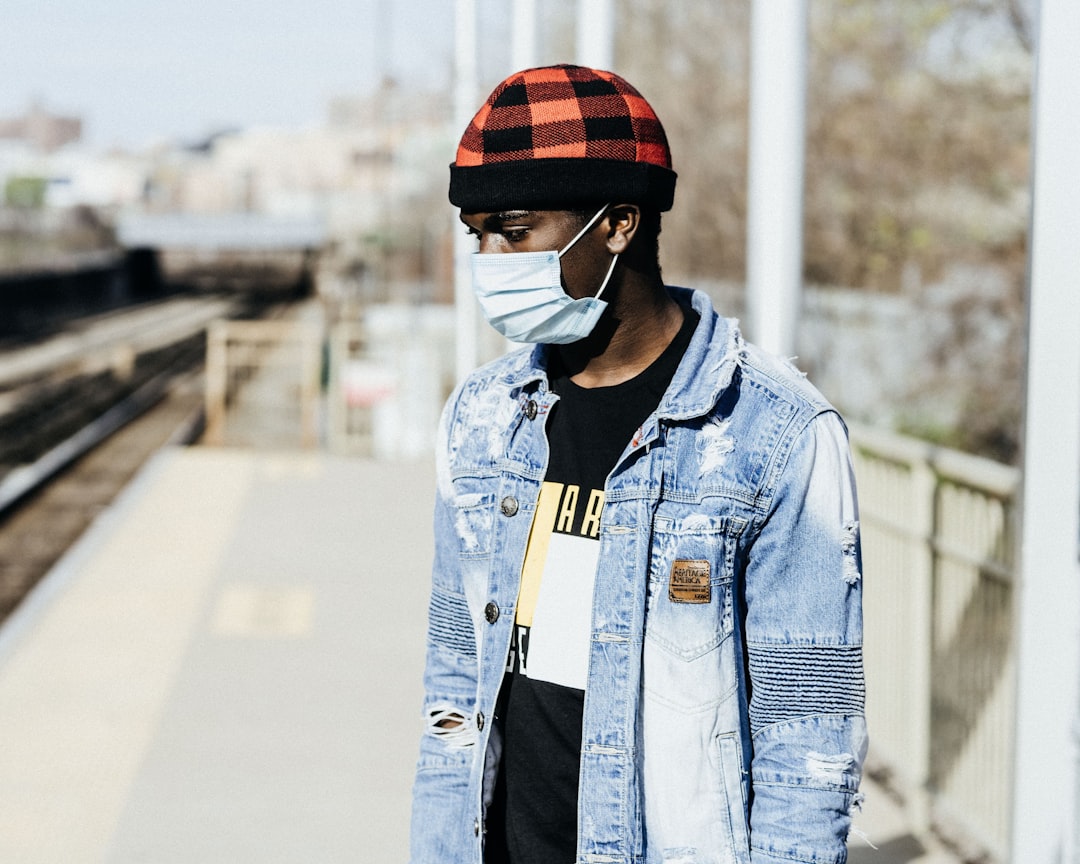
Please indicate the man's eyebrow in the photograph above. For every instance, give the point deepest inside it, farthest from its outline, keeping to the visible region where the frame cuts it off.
(496, 220)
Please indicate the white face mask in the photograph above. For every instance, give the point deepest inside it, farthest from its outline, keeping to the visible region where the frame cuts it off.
(522, 297)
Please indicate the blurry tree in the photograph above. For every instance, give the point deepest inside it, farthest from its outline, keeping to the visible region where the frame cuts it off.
(917, 139)
(916, 143)
(917, 183)
(691, 60)
(916, 174)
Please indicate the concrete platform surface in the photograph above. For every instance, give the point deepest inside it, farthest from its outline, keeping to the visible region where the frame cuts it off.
(226, 670)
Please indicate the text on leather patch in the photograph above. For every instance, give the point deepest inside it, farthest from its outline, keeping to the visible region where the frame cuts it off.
(689, 582)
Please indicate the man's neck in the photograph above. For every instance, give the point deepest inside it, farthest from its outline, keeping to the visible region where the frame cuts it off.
(632, 335)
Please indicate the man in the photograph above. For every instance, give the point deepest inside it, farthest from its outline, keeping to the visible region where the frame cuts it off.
(645, 623)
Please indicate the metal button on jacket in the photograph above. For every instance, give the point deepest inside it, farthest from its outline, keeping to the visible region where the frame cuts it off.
(491, 612)
(509, 505)
(480, 721)
(530, 409)
(476, 827)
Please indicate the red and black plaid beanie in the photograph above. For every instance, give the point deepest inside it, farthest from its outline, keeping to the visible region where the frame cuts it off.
(560, 136)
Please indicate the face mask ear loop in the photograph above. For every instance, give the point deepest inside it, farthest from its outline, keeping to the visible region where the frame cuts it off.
(584, 230)
(607, 278)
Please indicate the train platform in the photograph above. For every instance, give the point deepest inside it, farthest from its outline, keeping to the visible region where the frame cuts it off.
(226, 669)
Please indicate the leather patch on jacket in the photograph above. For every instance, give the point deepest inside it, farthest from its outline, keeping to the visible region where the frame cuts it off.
(689, 582)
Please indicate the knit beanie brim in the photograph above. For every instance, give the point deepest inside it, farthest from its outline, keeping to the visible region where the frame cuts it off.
(562, 136)
(560, 184)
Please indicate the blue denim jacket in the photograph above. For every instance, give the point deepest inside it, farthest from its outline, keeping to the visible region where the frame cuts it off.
(725, 730)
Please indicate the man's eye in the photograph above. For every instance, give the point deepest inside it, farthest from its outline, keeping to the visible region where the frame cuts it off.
(515, 235)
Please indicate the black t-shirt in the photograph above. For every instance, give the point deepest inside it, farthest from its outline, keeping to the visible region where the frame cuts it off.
(533, 819)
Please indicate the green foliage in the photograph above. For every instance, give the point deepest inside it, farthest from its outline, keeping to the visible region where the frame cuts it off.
(26, 193)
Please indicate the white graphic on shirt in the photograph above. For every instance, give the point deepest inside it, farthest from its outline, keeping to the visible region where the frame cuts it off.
(554, 614)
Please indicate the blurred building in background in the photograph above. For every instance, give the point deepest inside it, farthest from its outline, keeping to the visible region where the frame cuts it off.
(41, 129)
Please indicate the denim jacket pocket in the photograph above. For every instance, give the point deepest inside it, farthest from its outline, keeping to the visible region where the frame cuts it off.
(735, 785)
(689, 612)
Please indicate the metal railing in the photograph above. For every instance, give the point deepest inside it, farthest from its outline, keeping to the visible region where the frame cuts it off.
(238, 355)
(939, 554)
(388, 378)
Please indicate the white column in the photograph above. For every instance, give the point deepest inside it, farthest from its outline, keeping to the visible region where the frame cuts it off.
(465, 106)
(596, 33)
(523, 35)
(1045, 811)
(523, 55)
(778, 51)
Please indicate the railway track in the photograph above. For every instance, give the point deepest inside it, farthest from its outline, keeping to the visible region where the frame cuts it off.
(52, 513)
(74, 433)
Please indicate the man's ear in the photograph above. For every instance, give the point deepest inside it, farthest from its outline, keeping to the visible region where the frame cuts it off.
(623, 221)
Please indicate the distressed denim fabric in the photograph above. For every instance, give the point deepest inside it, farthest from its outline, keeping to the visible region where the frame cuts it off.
(727, 727)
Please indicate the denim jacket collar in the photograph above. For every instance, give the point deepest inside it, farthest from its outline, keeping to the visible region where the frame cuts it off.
(716, 345)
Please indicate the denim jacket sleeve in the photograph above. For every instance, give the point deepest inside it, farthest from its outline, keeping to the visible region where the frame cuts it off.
(441, 808)
(804, 653)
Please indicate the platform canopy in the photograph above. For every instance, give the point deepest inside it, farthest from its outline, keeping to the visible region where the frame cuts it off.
(220, 232)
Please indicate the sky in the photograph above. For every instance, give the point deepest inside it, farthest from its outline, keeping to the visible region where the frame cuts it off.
(142, 71)
(139, 72)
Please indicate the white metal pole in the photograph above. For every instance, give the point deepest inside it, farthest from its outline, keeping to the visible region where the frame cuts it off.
(596, 33)
(465, 87)
(1045, 807)
(523, 36)
(778, 51)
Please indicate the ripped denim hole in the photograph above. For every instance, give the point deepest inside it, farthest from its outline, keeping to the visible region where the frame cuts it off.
(849, 547)
(452, 727)
(828, 769)
(680, 855)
